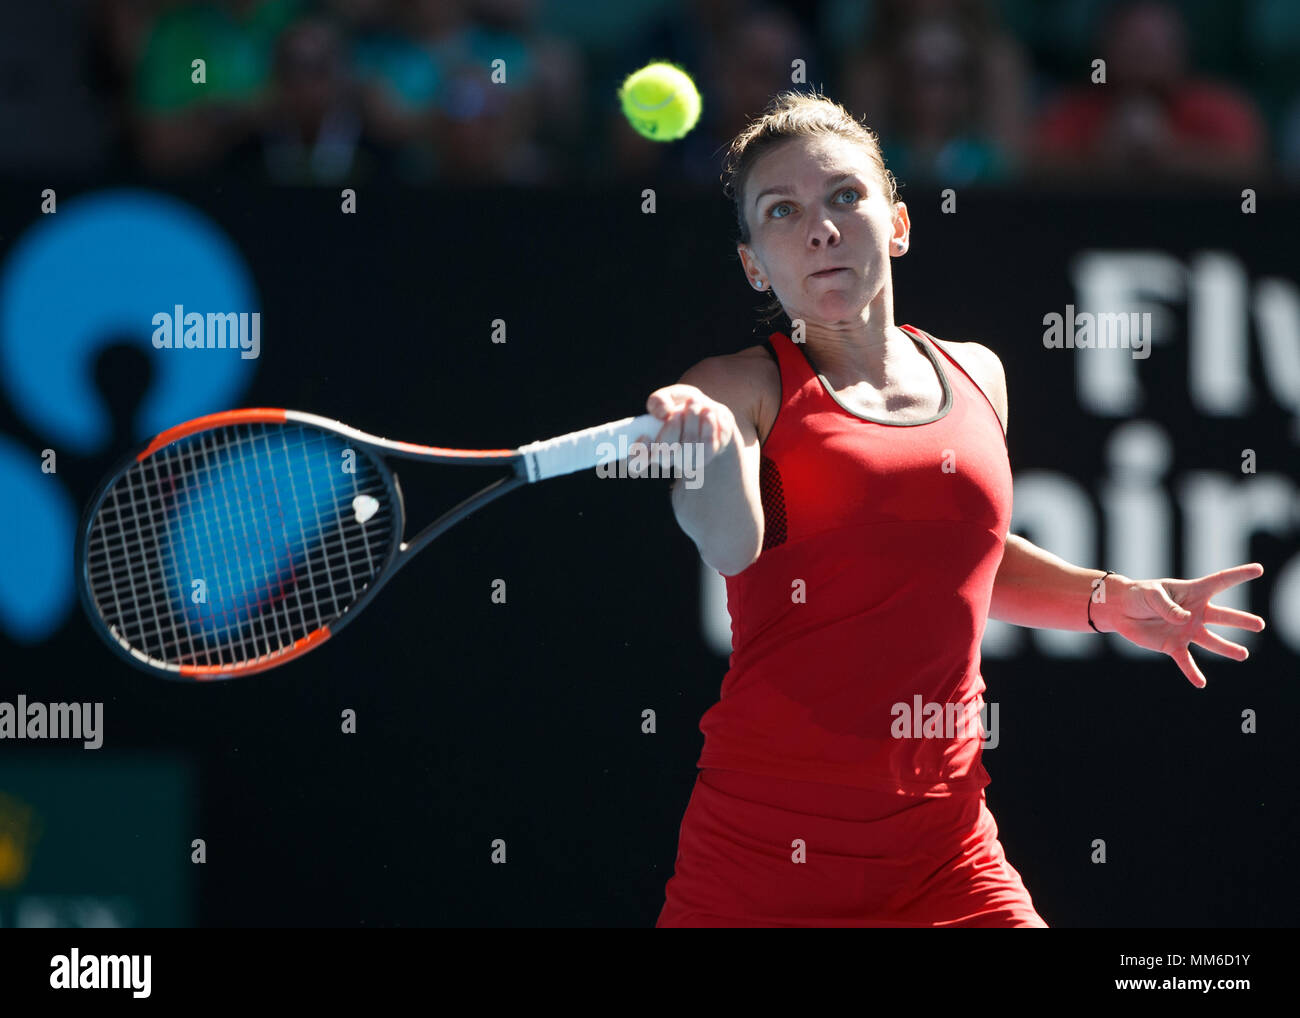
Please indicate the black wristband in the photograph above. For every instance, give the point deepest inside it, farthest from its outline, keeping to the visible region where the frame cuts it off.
(1094, 586)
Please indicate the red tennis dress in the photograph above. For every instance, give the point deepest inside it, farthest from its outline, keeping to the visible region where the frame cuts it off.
(841, 781)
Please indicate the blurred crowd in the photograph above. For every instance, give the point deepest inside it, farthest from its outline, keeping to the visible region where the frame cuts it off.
(524, 91)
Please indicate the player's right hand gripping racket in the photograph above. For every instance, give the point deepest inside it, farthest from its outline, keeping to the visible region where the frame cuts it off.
(238, 541)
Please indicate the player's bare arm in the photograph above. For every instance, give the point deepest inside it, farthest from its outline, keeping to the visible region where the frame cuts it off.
(714, 404)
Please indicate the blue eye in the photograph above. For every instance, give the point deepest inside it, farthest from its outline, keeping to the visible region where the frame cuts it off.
(771, 213)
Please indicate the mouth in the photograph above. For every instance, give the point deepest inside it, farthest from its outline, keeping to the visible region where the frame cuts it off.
(824, 273)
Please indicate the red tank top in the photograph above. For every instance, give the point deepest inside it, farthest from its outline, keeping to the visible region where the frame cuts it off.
(868, 601)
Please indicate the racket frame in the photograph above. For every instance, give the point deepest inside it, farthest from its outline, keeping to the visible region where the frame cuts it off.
(399, 552)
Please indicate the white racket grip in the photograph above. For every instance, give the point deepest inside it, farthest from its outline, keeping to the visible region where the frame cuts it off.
(582, 450)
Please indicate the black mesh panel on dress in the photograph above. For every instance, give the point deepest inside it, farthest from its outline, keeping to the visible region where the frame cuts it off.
(773, 498)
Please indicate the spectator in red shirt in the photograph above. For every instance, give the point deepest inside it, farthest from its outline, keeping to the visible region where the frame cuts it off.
(1150, 115)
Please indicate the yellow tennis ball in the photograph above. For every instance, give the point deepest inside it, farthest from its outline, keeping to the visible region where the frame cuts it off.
(660, 101)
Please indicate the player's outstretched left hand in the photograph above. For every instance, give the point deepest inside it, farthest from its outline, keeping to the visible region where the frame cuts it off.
(1170, 615)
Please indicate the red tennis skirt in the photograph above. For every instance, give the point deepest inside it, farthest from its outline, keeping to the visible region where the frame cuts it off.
(868, 859)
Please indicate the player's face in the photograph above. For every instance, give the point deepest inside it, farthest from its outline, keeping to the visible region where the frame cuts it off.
(819, 203)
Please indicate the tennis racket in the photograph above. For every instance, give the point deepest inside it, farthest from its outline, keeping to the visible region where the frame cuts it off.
(239, 541)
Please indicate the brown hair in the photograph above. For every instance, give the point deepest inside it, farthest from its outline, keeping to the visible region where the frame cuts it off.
(794, 115)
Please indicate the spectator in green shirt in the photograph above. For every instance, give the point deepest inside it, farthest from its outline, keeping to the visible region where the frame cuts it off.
(186, 124)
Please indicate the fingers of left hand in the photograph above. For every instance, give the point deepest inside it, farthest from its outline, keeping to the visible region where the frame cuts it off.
(1217, 616)
(1221, 646)
(1189, 668)
(1226, 578)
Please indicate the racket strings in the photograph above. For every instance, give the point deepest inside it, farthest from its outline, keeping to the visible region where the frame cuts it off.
(232, 544)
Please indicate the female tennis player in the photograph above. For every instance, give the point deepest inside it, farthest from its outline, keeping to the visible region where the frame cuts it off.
(856, 497)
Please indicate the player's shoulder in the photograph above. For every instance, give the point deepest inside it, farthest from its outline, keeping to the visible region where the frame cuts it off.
(985, 367)
(747, 381)
(741, 369)
(976, 358)
(954, 346)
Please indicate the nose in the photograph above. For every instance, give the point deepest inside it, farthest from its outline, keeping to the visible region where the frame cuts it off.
(824, 233)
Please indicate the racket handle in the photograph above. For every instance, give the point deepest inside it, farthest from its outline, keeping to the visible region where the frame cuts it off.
(582, 450)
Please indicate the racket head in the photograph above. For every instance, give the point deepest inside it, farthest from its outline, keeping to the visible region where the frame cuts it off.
(260, 507)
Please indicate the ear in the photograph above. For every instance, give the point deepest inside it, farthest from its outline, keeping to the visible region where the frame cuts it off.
(902, 237)
(753, 270)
